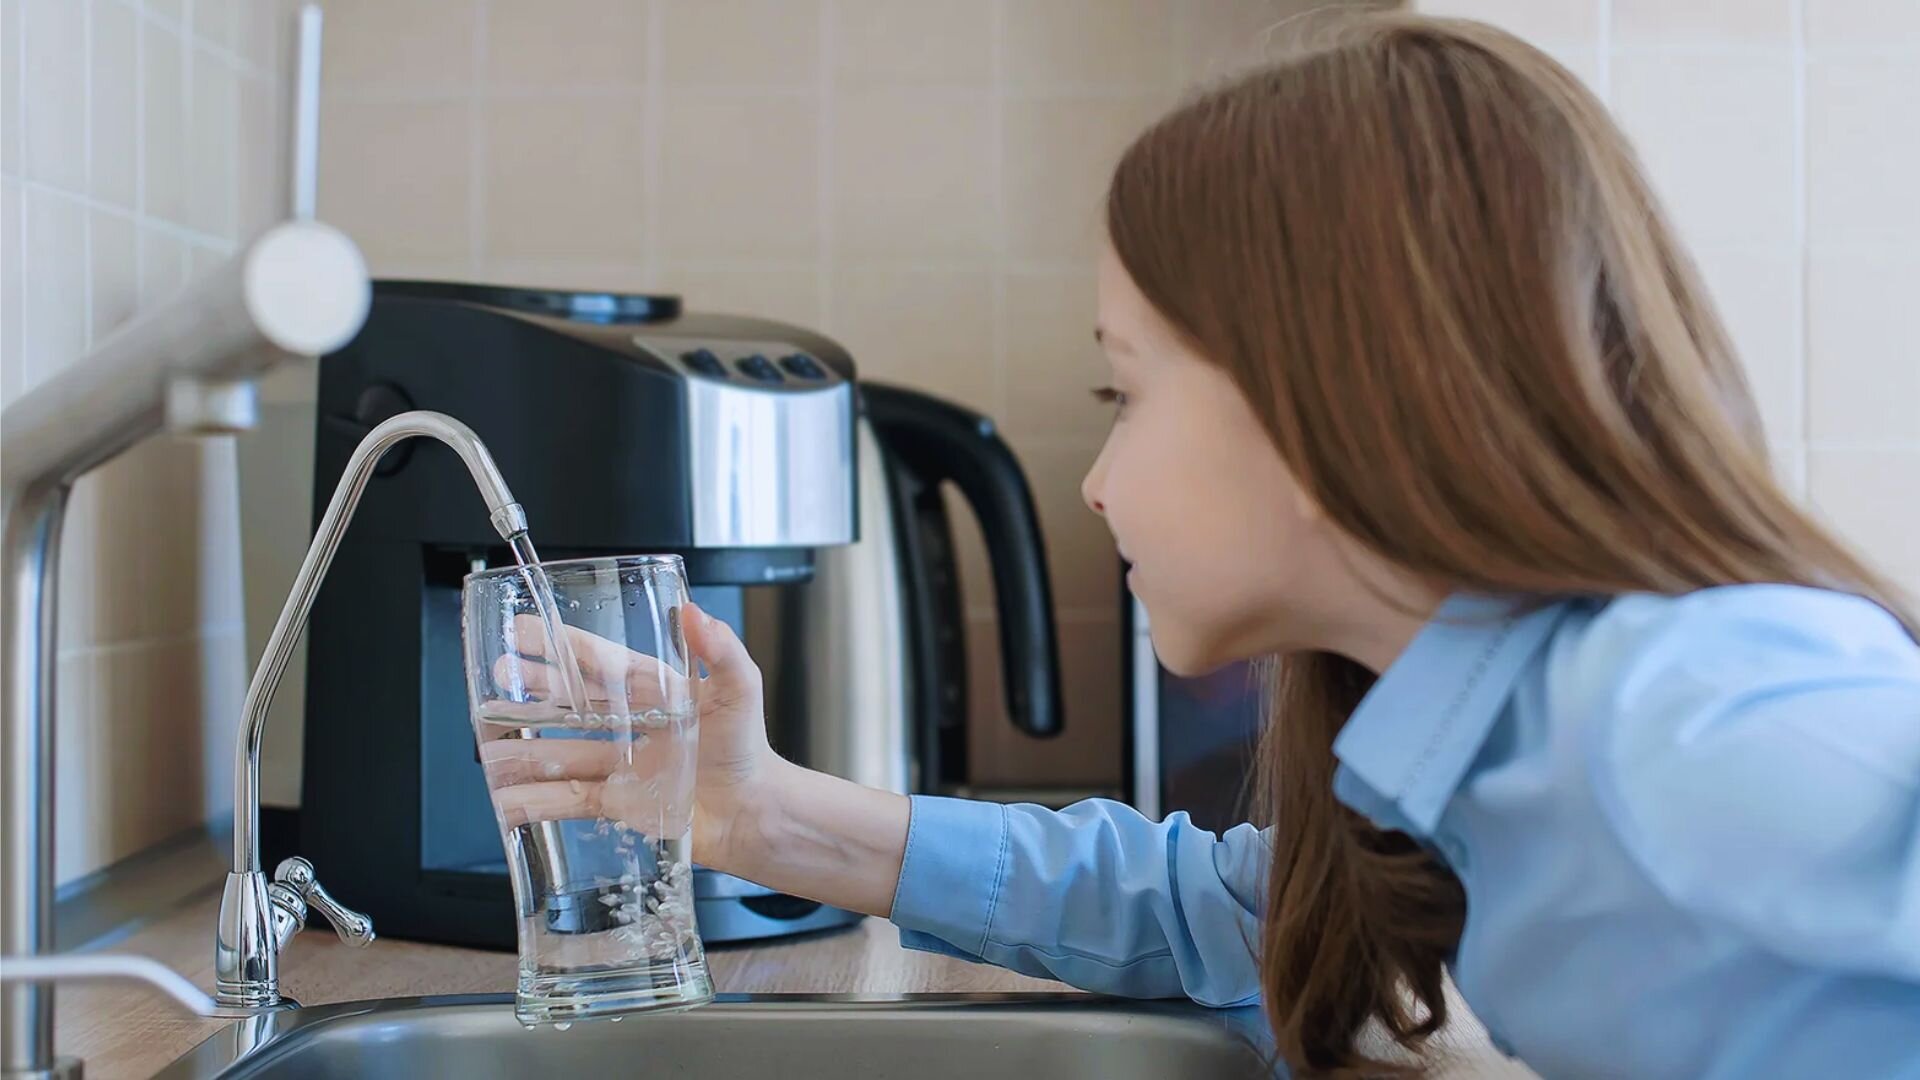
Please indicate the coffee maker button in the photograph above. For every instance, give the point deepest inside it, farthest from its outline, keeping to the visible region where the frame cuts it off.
(704, 362)
(761, 368)
(800, 365)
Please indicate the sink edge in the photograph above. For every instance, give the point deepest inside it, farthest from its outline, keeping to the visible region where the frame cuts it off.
(275, 1034)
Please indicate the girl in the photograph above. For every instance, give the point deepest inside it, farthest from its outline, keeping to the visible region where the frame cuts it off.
(1416, 394)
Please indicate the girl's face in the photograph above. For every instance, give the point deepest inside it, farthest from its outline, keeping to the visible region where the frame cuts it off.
(1230, 557)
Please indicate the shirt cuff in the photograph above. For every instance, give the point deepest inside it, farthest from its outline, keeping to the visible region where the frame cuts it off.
(951, 875)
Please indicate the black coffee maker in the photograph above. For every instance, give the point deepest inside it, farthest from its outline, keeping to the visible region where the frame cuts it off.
(807, 509)
(624, 425)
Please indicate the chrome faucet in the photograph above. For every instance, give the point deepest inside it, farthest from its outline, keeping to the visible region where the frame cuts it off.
(258, 918)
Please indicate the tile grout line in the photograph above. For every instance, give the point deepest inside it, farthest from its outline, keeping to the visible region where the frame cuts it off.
(235, 79)
(826, 132)
(1604, 24)
(1180, 39)
(428, 95)
(477, 142)
(1014, 267)
(86, 164)
(86, 182)
(1865, 446)
(201, 633)
(184, 233)
(189, 123)
(19, 133)
(652, 137)
(1802, 238)
(1000, 347)
(1685, 49)
(234, 63)
(140, 298)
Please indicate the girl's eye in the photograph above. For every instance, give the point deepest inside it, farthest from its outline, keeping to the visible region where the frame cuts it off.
(1107, 395)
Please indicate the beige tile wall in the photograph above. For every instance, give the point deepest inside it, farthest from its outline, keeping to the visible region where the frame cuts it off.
(919, 178)
(130, 133)
(1781, 136)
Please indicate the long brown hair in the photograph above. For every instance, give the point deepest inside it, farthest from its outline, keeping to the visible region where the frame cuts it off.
(1433, 266)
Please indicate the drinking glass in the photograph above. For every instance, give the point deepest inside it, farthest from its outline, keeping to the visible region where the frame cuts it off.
(579, 682)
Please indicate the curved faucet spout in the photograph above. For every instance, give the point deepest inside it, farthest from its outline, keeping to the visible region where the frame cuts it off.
(508, 519)
(256, 917)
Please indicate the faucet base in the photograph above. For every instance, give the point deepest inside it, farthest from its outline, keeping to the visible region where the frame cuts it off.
(246, 1012)
(246, 952)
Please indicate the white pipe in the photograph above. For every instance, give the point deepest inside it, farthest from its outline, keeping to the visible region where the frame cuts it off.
(306, 114)
(300, 289)
(95, 967)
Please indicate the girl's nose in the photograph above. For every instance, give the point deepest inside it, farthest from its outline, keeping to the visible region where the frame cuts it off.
(1090, 486)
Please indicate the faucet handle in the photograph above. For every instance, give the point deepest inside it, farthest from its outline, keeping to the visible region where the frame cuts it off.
(288, 912)
(297, 874)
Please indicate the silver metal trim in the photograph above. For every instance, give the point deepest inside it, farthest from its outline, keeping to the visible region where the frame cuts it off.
(853, 633)
(770, 467)
(1147, 780)
(768, 461)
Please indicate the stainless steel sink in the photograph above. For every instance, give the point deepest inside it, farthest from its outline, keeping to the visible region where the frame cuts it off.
(943, 1037)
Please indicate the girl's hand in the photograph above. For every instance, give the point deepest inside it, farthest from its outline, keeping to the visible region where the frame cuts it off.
(753, 814)
(553, 779)
(739, 773)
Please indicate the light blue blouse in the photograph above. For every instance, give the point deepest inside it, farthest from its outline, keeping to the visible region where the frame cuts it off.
(1688, 829)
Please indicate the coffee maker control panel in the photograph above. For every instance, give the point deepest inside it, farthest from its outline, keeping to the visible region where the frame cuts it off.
(755, 364)
(769, 441)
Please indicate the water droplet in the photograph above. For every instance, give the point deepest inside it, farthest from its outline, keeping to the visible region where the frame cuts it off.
(574, 786)
(563, 1025)
(616, 1019)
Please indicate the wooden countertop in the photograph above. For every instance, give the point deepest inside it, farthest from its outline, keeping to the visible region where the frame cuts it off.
(126, 1031)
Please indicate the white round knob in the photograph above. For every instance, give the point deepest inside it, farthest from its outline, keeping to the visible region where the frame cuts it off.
(307, 287)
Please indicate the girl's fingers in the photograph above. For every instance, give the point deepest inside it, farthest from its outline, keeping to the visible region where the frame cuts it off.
(522, 761)
(596, 655)
(549, 800)
(628, 781)
(622, 797)
(732, 679)
(609, 669)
